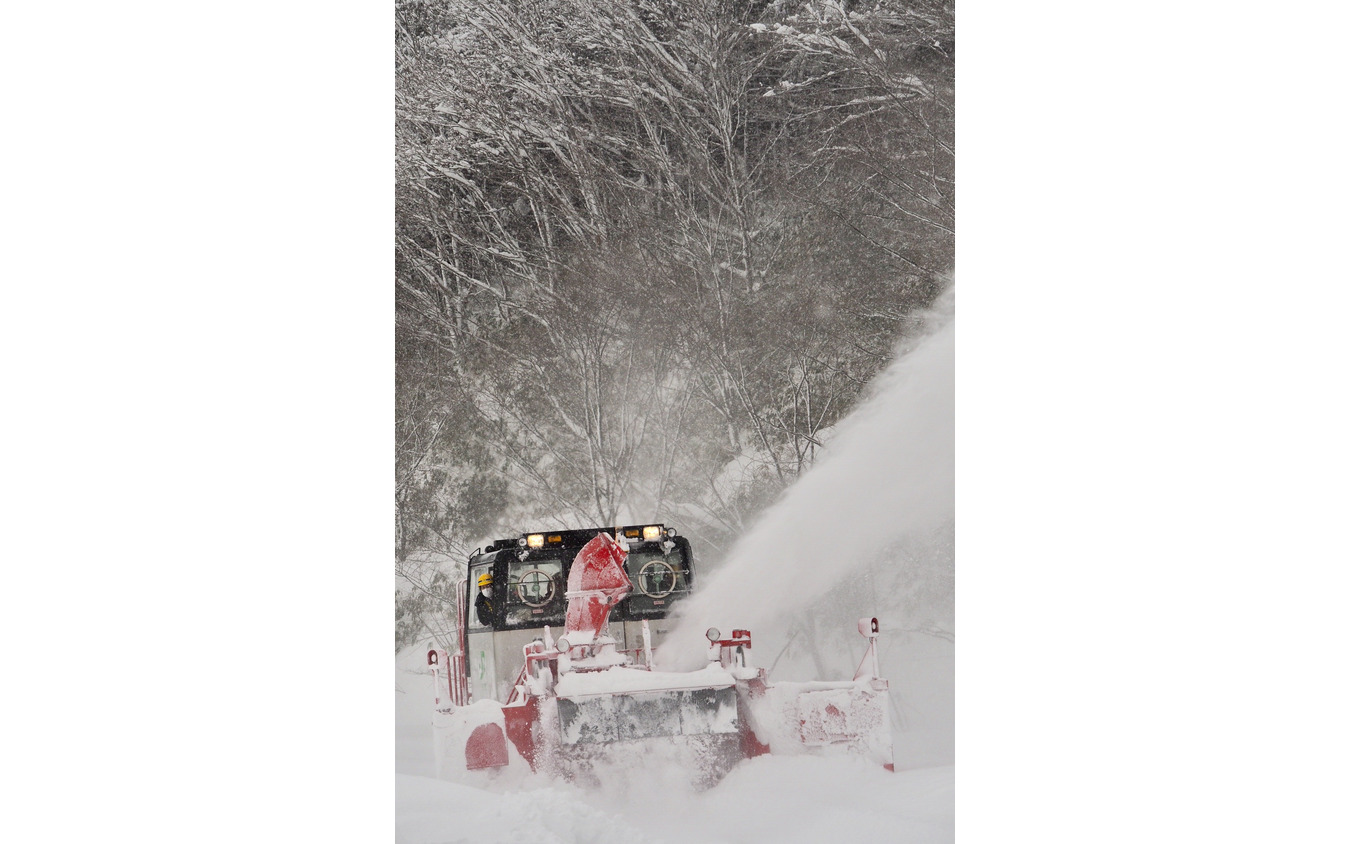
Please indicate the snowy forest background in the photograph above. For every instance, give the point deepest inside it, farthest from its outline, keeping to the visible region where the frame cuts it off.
(648, 253)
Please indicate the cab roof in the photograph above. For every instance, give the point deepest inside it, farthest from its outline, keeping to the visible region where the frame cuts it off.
(575, 538)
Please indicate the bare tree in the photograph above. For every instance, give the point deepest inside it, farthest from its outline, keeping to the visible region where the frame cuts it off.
(649, 251)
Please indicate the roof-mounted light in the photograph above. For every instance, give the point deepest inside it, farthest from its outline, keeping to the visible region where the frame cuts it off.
(651, 533)
(535, 540)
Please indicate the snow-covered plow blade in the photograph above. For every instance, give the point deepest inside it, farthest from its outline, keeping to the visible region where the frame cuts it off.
(838, 716)
(824, 717)
(646, 715)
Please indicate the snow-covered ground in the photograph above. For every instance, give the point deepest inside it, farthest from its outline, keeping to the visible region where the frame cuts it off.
(769, 799)
(865, 532)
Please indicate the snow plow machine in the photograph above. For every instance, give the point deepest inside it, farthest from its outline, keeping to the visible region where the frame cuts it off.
(514, 693)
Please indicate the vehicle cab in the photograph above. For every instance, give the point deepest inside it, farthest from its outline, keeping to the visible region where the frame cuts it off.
(529, 582)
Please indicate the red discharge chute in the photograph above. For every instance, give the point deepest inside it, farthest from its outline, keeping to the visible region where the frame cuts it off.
(597, 582)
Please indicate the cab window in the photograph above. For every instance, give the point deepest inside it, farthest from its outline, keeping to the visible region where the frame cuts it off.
(535, 592)
(659, 579)
(475, 572)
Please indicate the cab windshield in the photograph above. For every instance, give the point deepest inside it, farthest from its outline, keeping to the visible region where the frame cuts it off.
(534, 595)
(659, 579)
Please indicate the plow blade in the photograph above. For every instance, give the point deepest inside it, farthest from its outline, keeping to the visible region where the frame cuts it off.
(825, 719)
(648, 714)
(839, 716)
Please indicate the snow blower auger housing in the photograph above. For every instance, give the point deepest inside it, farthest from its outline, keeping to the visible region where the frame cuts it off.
(591, 691)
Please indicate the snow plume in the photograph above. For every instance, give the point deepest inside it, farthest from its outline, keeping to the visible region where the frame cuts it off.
(866, 531)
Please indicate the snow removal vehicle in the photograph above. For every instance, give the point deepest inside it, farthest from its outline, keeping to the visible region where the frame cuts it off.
(553, 668)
